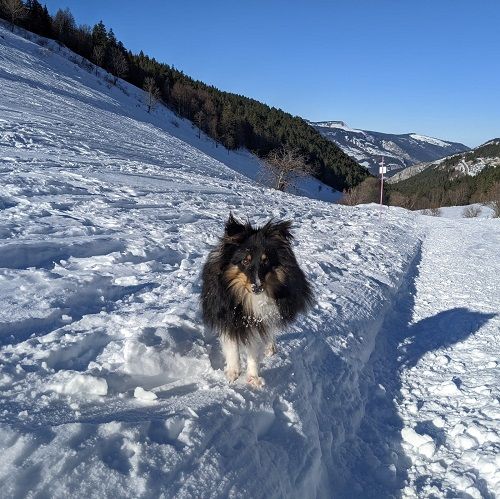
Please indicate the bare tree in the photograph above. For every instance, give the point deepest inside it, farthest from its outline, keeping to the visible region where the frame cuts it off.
(15, 9)
(367, 191)
(199, 119)
(350, 197)
(494, 199)
(152, 92)
(118, 63)
(284, 166)
(98, 56)
(64, 25)
(398, 199)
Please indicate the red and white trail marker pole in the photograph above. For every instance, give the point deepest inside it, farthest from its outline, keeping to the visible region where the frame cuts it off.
(382, 169)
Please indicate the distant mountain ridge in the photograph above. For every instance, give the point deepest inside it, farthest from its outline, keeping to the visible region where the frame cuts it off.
(470, 163)
(460, 179)
(399, 150)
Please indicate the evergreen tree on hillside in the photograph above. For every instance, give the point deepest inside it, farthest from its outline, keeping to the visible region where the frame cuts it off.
(38, 18)
(99, 35)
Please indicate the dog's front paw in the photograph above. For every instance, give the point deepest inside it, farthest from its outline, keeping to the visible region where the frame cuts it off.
(255, 381)
(232, 375)
(270, 349)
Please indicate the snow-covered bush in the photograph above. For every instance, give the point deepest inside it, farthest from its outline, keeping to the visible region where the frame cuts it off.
(472, 211)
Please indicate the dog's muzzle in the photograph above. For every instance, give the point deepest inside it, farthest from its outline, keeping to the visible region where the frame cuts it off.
(257, 289)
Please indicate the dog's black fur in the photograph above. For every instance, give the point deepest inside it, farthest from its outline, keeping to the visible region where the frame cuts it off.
(251, 261)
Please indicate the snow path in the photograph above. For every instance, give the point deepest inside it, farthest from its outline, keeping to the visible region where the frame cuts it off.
(432, 422)
(450, 393)
(109, 384)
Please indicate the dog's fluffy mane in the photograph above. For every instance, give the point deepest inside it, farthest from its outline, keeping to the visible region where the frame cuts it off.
(226, 297)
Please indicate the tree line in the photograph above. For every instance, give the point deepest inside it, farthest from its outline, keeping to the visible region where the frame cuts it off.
(229, 119)
(435, 187)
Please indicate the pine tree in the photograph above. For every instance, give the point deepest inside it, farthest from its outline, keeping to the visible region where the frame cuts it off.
(38, 19)
(99, 35)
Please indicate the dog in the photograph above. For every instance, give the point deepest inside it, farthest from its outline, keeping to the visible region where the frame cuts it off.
(252, 287)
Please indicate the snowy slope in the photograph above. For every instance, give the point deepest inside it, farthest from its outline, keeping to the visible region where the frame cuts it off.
(456, 212)
(398, 150)
(469, 163)
(109, 384)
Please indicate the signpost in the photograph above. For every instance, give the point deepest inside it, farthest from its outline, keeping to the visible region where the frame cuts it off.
(382, 169)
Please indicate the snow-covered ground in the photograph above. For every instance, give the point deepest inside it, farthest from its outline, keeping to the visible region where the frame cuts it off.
(479, 210)
(111, 387)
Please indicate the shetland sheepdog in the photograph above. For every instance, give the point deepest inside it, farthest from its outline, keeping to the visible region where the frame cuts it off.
(252, 287)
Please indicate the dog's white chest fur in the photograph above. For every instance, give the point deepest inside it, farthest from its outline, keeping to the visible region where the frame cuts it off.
(263, 307)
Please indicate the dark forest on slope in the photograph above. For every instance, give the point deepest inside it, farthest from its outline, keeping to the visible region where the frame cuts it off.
(229, 119)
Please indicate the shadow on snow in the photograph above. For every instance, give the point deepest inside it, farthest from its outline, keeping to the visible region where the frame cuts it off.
(375, 459)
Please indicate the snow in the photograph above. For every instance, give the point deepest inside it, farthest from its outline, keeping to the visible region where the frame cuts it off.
(476, 166)
(430, 140)
(456, 212)
(455, 384)
(109, 383)
(140, 393)
(78, 385)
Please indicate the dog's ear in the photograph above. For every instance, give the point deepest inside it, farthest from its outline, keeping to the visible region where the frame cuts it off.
(280, 229)
(234, 227)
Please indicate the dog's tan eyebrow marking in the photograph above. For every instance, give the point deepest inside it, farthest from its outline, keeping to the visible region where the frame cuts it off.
(263, 257)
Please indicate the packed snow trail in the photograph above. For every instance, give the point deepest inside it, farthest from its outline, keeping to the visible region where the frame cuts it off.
(450, 386)
(432, 421)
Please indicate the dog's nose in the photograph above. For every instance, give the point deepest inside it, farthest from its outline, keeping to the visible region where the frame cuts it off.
(256, 289)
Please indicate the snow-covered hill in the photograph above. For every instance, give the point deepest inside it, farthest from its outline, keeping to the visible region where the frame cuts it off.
(398, 151)
(467, 163)
(111, 387)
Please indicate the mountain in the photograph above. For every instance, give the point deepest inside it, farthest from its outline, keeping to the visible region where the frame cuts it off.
(398, 151)
(468, 177)
(466, 163)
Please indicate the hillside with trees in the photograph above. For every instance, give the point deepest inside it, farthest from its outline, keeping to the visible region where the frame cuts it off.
(458, 180)
(470, 177)
(229, 119)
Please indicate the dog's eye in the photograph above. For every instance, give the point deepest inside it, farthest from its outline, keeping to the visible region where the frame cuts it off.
(246, 261)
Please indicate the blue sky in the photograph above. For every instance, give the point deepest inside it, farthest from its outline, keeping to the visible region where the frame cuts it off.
(431, 67)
